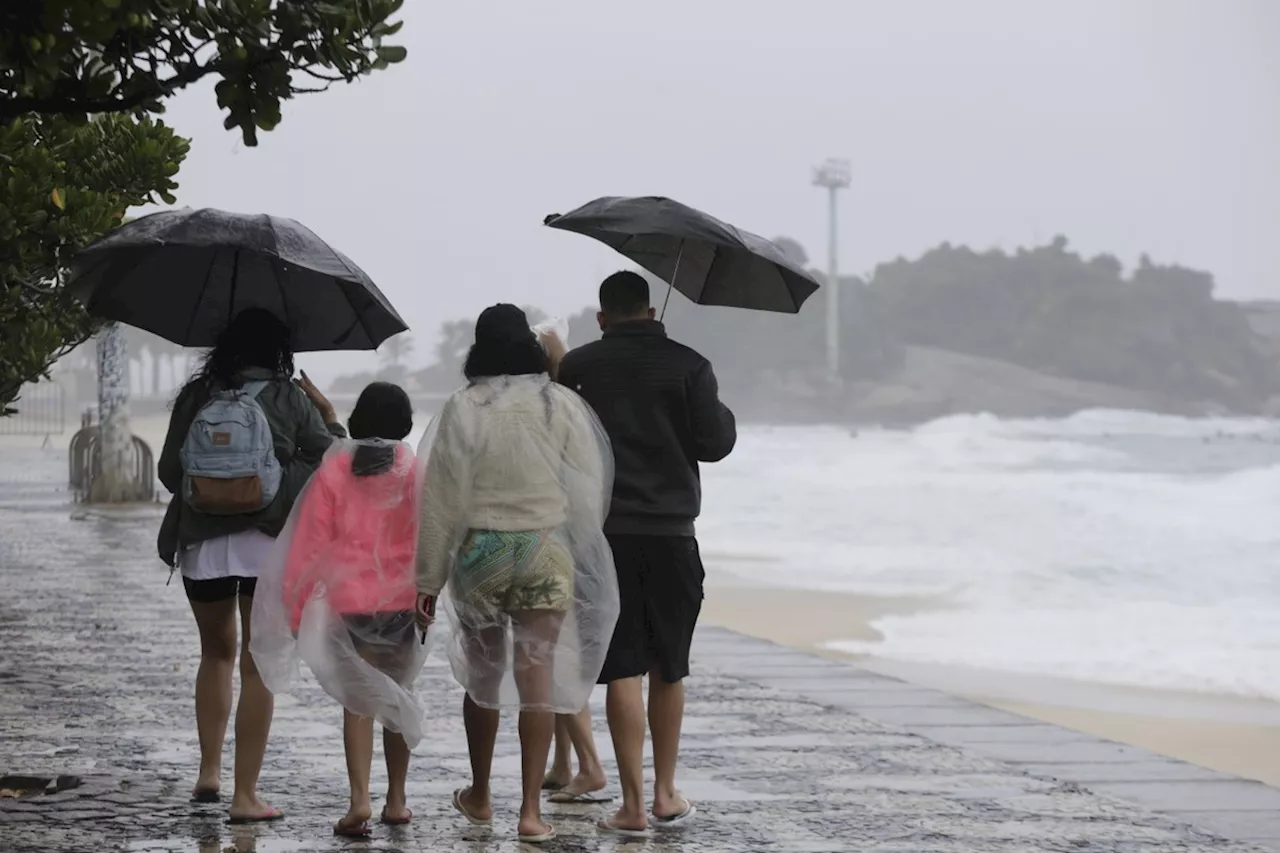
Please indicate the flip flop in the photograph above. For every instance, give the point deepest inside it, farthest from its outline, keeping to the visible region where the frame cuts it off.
(361, 830)
(672, 821)
(206, 795)
(606, 826)
(265, 817)
(585, 798)
(397, 821)
(462, 810)
(538, 839)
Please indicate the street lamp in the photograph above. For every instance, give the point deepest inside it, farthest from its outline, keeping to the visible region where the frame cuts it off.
(835, 175)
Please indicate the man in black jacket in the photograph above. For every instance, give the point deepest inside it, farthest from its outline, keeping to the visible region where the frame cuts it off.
(660, 404)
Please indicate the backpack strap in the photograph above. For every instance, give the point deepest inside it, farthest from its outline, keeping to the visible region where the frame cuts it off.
(253, 389)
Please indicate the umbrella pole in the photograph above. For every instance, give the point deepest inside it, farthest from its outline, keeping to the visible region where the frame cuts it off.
(672, 285)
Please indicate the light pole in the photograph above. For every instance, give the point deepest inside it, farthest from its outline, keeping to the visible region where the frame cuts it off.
(835, 175)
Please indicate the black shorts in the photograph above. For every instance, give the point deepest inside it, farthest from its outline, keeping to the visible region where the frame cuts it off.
(660, 584)
(219, 589)
(385, 640)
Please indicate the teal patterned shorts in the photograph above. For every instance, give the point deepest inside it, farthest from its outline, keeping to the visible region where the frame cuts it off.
(513, 571)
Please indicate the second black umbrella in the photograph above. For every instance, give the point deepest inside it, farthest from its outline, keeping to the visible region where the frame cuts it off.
(709, 261)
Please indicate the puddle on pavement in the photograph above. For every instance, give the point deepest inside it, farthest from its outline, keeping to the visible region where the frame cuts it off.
(716, 791)
(238, 844)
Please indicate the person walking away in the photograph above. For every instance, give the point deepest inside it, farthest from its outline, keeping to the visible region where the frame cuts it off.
(340, 595)
(515, 492)
(573, 731)
(574, 737)
(240, 413)
(659, 402)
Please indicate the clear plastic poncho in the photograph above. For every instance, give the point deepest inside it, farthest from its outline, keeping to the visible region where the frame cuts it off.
(339, 591)
(517, 479)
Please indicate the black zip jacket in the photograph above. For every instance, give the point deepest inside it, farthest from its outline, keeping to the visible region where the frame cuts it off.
(660, 404)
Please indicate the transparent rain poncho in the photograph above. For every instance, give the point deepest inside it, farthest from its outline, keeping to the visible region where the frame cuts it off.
(339, 590)
(516, 486)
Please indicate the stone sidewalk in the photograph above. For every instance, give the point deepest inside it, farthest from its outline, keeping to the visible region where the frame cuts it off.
(783, 751)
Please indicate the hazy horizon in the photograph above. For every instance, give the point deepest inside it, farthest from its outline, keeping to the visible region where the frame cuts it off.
(1129, 128)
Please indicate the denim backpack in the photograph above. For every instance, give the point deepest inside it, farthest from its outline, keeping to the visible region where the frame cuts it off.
(229, 463)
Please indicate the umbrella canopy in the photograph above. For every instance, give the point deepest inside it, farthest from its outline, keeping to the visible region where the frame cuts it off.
(709, 261)
(183, 274)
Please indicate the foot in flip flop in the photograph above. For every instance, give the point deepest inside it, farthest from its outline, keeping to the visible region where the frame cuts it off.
(266, 816)
(355, 823)
(205, 795)
(255, 811)
(348, 829)
(535, 831)
(476, 815)
(679, 818)
(396, 818)
(627, 828)
(583, 790)
(579, 798)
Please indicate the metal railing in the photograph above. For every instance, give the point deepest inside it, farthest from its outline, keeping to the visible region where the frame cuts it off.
(85, 463)
(41, 411)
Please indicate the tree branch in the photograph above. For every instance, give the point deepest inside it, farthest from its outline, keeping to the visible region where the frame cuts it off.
(14, 107)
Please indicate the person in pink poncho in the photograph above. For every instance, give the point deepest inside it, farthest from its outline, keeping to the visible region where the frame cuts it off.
(341, 597)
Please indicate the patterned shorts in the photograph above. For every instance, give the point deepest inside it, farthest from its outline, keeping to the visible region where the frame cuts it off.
(513, 571)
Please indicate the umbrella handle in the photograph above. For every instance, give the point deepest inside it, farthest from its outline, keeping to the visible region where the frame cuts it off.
(672, 284)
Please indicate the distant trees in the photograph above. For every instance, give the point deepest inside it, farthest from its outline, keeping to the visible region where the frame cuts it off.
(1049, 309)
(395, 351)
(1158, 330)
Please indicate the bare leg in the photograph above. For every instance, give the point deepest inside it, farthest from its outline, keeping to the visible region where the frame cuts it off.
(561, 772)
(666, 718)
(536, 633)
(486, 648)
(253, 725)
(482, 734)
(357, 739)
(590, 776)
(216, 622)
(397, 755)
(625, 707)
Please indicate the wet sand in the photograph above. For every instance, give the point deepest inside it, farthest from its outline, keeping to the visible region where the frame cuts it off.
(1228, 734)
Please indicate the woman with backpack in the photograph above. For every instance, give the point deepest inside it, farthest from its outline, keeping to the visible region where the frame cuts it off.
(243, 440)
(339, 594)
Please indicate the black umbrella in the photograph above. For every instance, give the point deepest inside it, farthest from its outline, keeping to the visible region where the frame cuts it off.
(709, 261)
(183, 274)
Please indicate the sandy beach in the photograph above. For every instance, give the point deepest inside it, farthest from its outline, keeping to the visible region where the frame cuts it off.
(1228, 734)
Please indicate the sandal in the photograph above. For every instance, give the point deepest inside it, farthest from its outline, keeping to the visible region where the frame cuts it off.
(396, 821)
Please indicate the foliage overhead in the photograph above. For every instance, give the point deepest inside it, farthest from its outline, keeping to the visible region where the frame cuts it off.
(62, 185)
(76, 58)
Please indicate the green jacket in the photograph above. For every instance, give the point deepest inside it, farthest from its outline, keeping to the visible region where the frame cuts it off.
(301, 439)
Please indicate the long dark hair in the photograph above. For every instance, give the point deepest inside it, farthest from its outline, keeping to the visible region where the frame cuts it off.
(505, 346)
(254, 338)
(383, 411)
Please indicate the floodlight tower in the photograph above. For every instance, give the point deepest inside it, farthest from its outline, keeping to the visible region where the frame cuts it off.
(835, 175)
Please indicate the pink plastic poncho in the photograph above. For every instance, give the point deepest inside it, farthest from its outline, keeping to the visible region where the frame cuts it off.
(339, 591)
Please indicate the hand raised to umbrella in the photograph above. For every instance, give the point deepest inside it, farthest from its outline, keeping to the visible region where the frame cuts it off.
(555, 348)
(317, 397)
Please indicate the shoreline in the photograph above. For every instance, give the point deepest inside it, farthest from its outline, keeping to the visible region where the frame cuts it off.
(1228, 734)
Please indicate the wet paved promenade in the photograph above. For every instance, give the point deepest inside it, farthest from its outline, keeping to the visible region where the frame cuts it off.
(783, 751)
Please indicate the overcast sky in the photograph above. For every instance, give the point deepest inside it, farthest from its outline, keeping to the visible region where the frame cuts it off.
(1127, 125)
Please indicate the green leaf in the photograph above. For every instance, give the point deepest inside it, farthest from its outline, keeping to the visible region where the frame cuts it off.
(392, 53)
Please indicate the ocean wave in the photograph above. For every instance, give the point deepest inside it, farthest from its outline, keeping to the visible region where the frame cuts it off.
(1122, 547)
